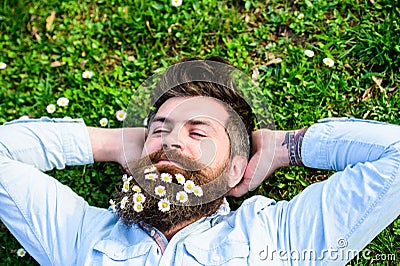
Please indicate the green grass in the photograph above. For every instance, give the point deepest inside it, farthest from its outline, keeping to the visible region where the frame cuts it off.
(123, 43)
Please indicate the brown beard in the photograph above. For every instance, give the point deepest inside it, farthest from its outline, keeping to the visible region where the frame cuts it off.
(214, 189)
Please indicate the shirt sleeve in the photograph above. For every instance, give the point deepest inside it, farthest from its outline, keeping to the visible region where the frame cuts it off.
(44, 215)
(335, 219)
(46, 143)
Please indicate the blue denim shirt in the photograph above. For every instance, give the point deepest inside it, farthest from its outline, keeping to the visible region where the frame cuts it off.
(328, 223)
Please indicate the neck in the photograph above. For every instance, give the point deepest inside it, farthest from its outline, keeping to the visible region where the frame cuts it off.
(176, 228)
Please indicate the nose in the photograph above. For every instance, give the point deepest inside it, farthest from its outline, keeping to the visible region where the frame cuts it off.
(172, 140)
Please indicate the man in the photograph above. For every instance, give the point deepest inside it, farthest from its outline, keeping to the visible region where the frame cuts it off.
(192, 142)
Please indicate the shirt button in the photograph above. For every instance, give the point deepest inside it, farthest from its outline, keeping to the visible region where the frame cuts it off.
(153, 232)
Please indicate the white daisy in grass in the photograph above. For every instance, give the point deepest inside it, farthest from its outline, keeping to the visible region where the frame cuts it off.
(182, 196)
(309, 53)
(136, 188)
(139, 198)
(3, 65)
(151, 176)
(198, 191)
(103, 122)
(62, 101)
(112, 205)
(300, 16)
(164, 205)
(150, 169)
(138, 207)
(87, 74)
(166, 177)
(160, 190)
(51, 108)
(180, 178)
(124, 201)
(189, 186)
(329, 62)
(176, 2)
(120, 115)
(21, 252)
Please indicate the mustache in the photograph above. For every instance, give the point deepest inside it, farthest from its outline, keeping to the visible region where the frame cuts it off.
(188, 164)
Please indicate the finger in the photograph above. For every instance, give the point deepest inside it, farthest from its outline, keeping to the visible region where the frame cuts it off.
(238, 190)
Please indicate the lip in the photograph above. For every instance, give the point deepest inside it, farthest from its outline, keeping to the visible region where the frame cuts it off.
(166, 161)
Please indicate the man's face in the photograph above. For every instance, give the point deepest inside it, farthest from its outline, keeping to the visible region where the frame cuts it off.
(187, 137)
(192, 126)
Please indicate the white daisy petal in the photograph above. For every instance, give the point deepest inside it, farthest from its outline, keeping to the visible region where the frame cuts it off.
(139, 198)
(136, 188)
(189, 186)
(160, 191)
(164, 205)
(124, 201)
(51, 108)
(63, 101)
(112, 205)
(150, 169)
(125, 187)
(138, 207)
(180, 178)
(87, 74)
(21, 252)
(151, 176)
(309, 53)
(3, 65)
(182, 196)
(166, 177)
(176, 2)
(198, 191)
(329, 62)
(120, 115)
(103, 122)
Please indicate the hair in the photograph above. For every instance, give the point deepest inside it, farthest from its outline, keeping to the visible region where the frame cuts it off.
(214, 78)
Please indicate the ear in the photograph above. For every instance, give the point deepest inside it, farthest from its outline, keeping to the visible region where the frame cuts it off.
(236, 172)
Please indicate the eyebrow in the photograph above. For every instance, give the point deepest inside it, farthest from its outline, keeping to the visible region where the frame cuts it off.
(161, 119)
(192, 122)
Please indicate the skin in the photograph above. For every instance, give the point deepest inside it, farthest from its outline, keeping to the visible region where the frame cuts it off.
(190, 126)
(126, 144)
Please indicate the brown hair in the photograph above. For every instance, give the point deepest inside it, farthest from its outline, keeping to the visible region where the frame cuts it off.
(212, 77)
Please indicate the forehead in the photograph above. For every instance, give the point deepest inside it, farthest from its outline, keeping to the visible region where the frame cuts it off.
(190, 108)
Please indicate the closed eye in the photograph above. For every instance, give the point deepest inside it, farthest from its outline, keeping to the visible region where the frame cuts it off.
(198, 134)
(159, 131)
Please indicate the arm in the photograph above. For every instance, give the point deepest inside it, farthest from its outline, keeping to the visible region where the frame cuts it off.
(119, 145)
(273, 150)
(45, 216)
(338, 217)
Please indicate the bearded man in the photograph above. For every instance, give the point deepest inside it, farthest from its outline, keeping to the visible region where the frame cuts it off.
(170, 208)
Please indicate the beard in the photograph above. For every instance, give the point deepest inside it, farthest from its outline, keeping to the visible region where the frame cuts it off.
(213, 184)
